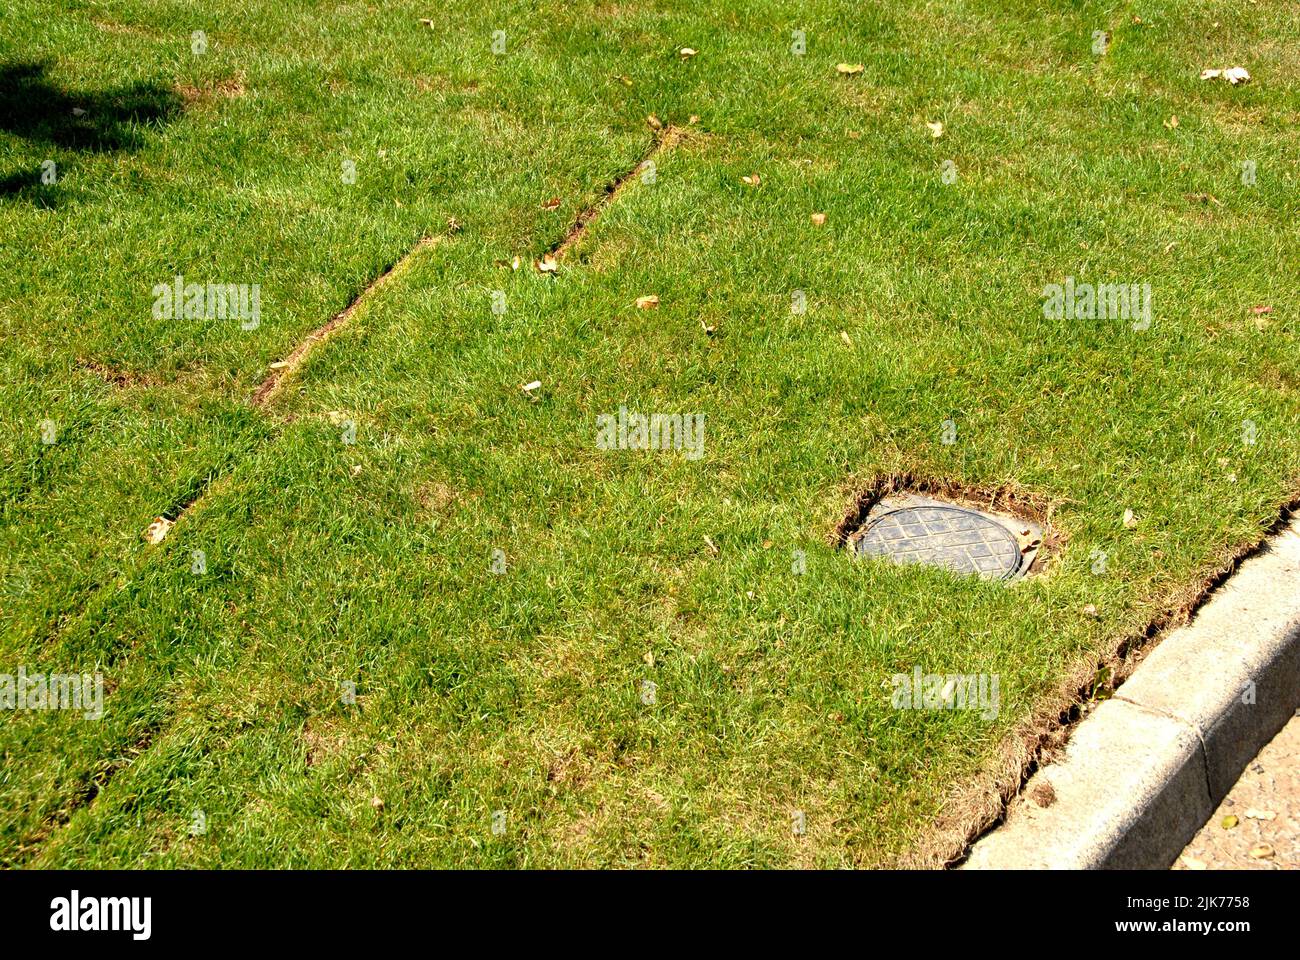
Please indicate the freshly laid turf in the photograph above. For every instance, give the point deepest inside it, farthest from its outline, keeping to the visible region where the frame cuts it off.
(614, 648)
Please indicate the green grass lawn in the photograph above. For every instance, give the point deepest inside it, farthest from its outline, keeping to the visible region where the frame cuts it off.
(353, 527)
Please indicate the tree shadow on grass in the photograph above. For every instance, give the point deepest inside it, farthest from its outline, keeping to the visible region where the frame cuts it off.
(84, 121)
(26, 185)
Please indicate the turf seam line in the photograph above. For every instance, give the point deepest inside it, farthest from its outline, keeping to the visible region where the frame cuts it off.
(90, 609)
(88, 789)
(664, 139)
(116, 376)
(84, 604)
(270, 387)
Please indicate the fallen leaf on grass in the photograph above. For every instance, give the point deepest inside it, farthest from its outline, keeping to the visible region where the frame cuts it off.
(753, 180)
(156, 531)
(1234, 75)
(654, 122)
(647, 303)
(818, 219)
(694, 118)
(552, 204)
(1257, 311)
(1172, 122)
(531, 386)
(936, 129)
(377, 803)
(1130, 519)
(849, 69)
(1090, 610)
(848, 341)
(686, 53)
(548, 263)
(279, 364)
(713, 547)
(625, 80)
(708, 328)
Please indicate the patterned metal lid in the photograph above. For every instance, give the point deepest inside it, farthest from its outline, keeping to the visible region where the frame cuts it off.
(964, 541)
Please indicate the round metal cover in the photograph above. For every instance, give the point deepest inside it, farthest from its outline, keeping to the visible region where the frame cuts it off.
(962, 540)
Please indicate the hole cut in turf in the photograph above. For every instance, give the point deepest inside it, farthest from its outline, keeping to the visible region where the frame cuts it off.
(970, 532)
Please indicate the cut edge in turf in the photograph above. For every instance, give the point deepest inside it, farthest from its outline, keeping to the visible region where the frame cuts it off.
(284, 370)
(213, 482)
(118, 377)
(664, 139)
(89, 788)
(92, 785)
(181, 507)
(980, 803)
(1008, 500)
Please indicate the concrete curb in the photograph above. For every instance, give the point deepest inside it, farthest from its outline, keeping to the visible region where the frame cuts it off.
(1148, 767)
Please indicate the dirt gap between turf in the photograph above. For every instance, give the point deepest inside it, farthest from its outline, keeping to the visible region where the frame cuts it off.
(284, 369)
(118, 377)
(88, 789)
(438, 496)
(665, 139)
